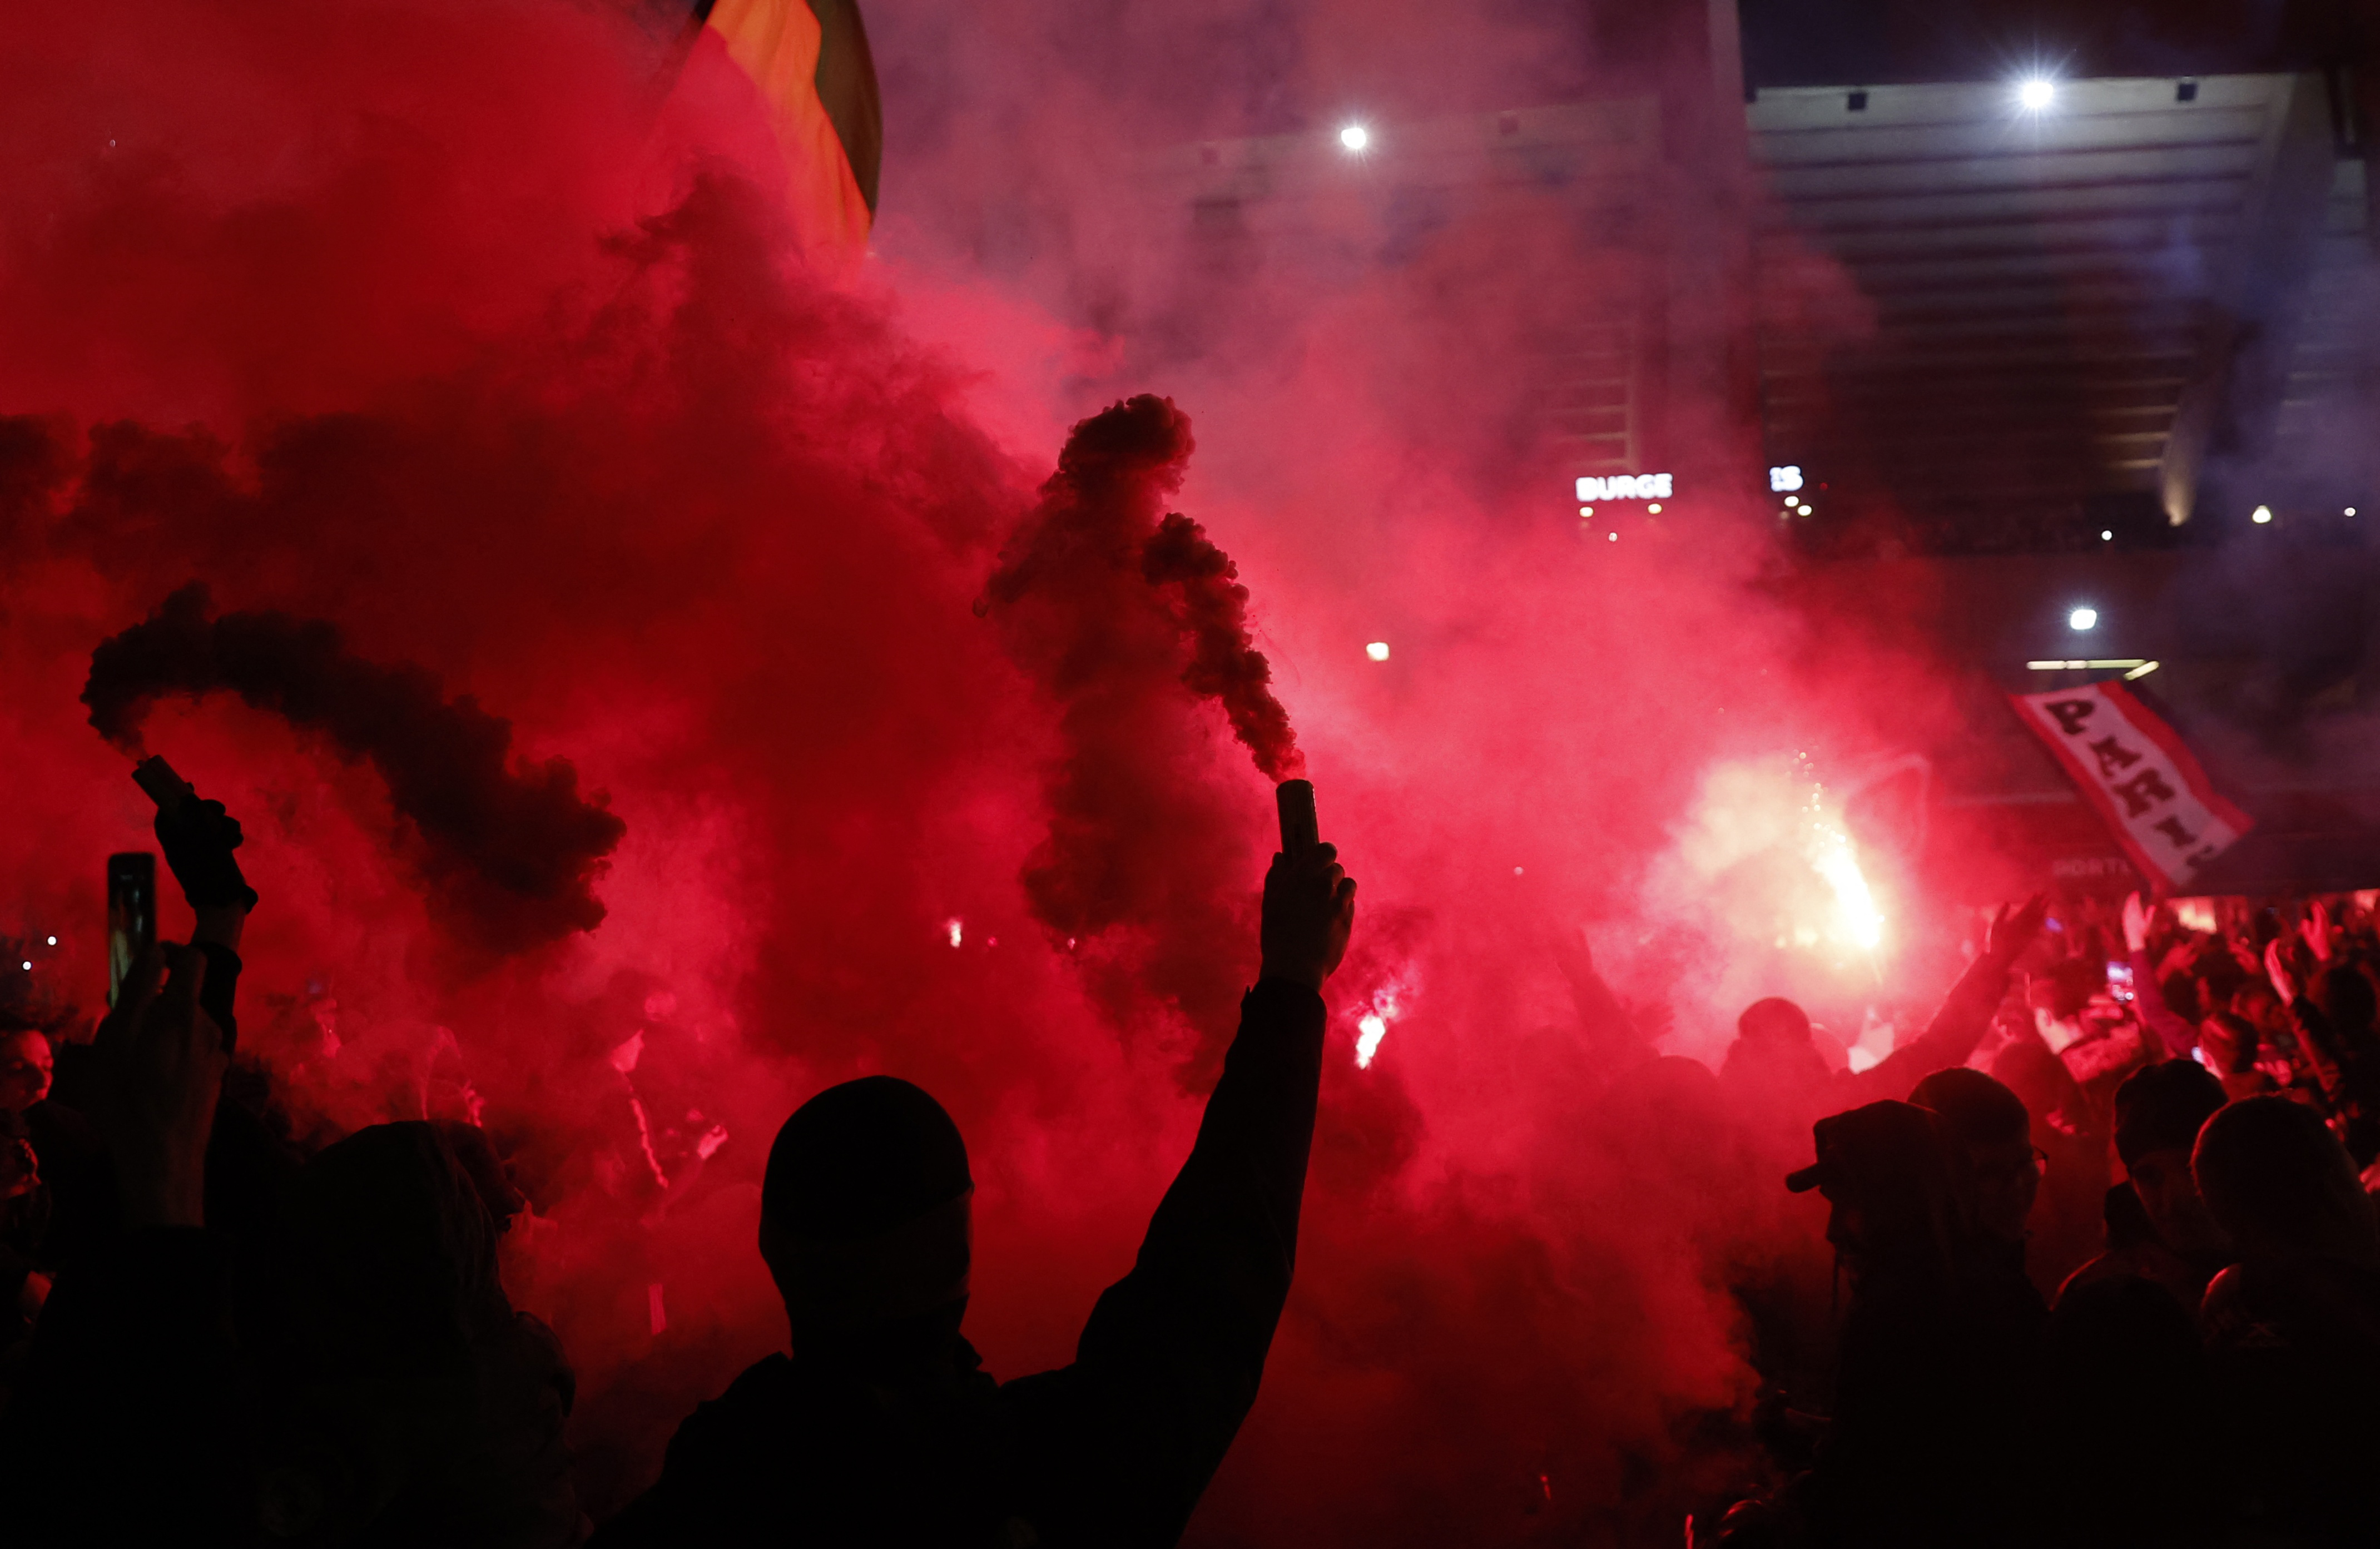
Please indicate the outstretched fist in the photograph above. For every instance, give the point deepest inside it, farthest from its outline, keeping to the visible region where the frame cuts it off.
(1309, 910)
(199, 838)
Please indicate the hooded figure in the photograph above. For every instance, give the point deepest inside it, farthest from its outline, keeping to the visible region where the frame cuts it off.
(412, 1404)
(881, 1426)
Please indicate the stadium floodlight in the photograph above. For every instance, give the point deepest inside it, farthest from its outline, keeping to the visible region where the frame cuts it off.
(2034, 93)
(2082, 617)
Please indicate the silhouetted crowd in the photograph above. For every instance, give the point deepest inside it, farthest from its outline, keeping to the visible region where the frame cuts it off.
(2103, 1270)
(2109, 1267)
(217, 1339)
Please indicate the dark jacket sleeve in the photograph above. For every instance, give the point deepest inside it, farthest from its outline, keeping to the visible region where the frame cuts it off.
(126, 1423)
(1116, 1449)
(2347, 1068)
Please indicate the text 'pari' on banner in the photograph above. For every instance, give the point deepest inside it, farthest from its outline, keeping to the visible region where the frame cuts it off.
(2140, 775)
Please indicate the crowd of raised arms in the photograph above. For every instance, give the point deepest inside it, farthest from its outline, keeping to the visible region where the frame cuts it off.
(2106, 1272)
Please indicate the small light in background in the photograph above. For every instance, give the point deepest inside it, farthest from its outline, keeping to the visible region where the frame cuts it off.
(957, 929)
(2036, 94)
(53, 941)
(1355, 137)
(2082, 617)
(2350, 511)
(1589, 510)
(1378, 650)
(2261, 515)
(1803, 508)
(1653, 509)
(2142, 671)
(1613, 535)
(2106, 535)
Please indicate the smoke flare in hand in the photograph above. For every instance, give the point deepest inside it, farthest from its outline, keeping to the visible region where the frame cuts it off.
(509, 853)
(1095, 594)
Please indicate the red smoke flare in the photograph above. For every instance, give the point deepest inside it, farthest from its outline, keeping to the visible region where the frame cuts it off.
(1079, 601)
(1223, 665)
(509, 853)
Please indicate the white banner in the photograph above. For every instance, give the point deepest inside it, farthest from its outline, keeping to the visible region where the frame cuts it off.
(2156, 800)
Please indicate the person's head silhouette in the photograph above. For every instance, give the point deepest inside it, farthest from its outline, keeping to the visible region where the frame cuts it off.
(865, 1219)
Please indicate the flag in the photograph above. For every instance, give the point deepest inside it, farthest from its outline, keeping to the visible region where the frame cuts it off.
(2129, 765)
(816, 82)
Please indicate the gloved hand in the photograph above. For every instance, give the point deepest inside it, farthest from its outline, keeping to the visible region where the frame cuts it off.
(199, 838)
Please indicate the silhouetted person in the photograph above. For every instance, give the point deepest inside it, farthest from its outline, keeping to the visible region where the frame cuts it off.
(2293, 1327)
(315, 1357)
(2159, 1110)
(26, 1204)
(1774, 1067)
(1991, 1139)
(2133, 1437)
(2332, 1017)
(882, 1427)
(1931, 1441)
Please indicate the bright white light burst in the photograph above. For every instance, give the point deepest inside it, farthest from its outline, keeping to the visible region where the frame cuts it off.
(1370, 1029)
(2036, 95)
(1355, 137)
(1831, 858)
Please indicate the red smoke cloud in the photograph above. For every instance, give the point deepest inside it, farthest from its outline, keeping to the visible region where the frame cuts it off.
(439, 323)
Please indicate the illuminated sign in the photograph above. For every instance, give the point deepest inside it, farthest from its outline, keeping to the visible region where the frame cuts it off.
(1626, 487)
(1786, 480)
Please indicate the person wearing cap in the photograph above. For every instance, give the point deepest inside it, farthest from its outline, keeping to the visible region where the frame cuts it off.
(1929, 1440)
(882, 1427)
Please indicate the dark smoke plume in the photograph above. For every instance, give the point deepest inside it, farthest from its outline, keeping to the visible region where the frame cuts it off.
(1224, 663)
(1138, 842)
(509, 853)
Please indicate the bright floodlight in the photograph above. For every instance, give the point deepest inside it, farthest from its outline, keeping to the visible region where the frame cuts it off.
(2036, 95)
(2082, 617)
(1378, 650)
(1355, 137)
(2261, 515)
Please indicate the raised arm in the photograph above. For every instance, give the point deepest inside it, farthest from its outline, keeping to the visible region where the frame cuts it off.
(1118, 1447)
(2176, 1033)
(1966, 1012)
(126, 1421)
(199, 838)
